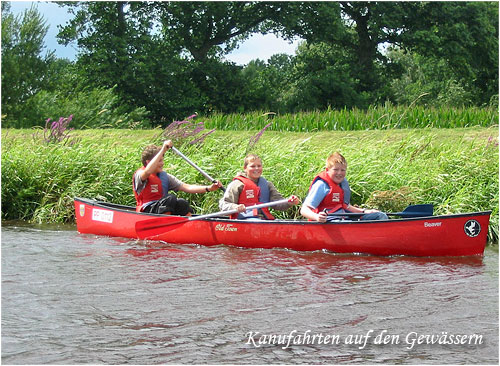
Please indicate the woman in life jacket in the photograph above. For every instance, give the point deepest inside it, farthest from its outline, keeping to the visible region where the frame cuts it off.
(151, 185)
(327, 194)
(249, 188)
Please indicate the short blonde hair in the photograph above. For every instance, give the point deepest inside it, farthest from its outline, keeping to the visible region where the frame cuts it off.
(250, 158)
(335, 158)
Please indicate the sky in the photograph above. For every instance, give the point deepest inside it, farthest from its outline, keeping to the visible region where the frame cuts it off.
(256, 47)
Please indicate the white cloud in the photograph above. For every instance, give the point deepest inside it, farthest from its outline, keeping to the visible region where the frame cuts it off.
(261, 47)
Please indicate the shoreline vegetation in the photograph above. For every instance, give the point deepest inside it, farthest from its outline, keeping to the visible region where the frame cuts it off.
(456, 169)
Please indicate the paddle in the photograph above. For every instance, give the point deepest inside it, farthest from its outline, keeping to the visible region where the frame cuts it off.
(159, 225)
(196, 167)
(410, 211)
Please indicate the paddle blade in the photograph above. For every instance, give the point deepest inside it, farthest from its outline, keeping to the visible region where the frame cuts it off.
(154, 227)
(417, 211)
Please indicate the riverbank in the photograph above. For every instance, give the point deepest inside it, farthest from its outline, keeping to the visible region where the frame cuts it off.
(454, 169)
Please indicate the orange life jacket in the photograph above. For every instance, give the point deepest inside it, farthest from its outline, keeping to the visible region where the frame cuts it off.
(253, 194)
(334, 200)
(153, 190)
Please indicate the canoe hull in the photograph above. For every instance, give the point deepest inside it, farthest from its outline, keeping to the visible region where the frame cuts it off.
(447, 235)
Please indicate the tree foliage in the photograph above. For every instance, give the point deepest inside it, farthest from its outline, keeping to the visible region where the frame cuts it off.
(24, 68)
(165, 55)
(427, 81)
(207, 29)
(321, 78)
(162, 61)
(465, 35)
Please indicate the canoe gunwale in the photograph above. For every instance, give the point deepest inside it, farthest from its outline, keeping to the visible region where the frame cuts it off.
(131, 210)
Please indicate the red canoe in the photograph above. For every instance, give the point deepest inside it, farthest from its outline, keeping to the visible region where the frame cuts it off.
(447, 235)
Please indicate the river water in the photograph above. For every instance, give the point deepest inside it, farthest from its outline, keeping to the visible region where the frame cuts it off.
(70, 298)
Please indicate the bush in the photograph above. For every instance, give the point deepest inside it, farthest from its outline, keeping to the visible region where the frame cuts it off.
(96, 108)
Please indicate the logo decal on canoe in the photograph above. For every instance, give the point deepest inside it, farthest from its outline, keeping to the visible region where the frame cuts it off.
(472, 228)
(225, 227)
(102, 215)
(82, 210)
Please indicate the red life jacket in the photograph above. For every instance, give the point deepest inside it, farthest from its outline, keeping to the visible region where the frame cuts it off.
(334, 200)
(152, 192)
(252, 195)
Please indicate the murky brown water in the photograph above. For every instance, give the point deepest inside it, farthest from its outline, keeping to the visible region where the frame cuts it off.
(71, 298)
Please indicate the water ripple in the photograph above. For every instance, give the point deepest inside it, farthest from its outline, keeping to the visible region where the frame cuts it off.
(70, 298)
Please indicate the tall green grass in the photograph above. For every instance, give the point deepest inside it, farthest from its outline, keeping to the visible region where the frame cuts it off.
(380, 117)
(454, 169)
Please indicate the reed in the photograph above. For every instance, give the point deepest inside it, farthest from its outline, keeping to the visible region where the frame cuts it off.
(454, 169)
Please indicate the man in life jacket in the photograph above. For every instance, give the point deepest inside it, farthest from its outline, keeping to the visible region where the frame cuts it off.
(329, 193)
(151, 185)
(249, 188)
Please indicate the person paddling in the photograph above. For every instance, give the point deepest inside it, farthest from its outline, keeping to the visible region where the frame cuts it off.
(151, 185)
(327, 194)
(250, 188)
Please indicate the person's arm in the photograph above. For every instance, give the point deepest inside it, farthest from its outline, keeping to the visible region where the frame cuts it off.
(231, 197)
(195, 188)
(318, 191)
(138, 183)
(274, 195)
(152, 166)
(308, 213)
(355, 209)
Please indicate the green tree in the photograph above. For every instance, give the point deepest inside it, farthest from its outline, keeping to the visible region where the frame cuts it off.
(358, 28)
(24, 66)
(121, 47)
(465, 34)
(266, 83)
(321, 77)
(165, 55)
(427, 81)
(168, 56)
(210, 28)
(260, 91)
(113, 39)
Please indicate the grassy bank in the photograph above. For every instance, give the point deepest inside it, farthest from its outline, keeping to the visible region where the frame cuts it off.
(455, 169)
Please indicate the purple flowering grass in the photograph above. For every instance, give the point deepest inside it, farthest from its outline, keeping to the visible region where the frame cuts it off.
(57, 132)
(200, 139)
(254, 139)
(186, 130)
(492, 142)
